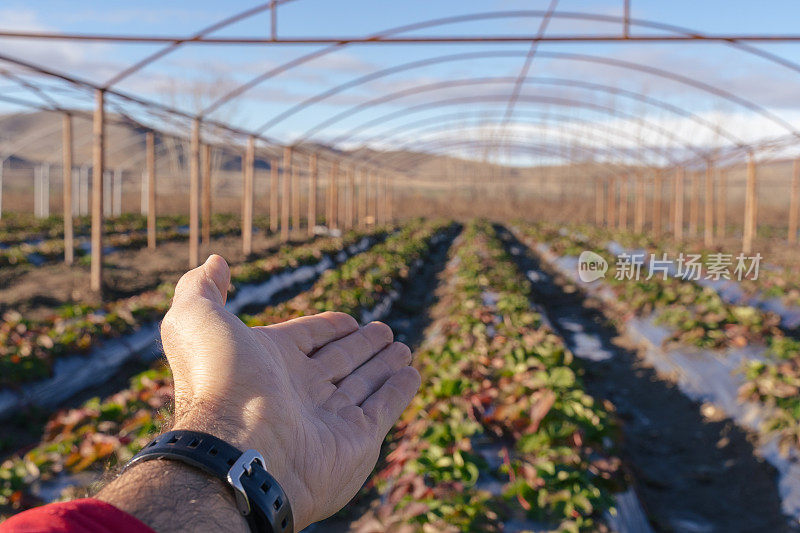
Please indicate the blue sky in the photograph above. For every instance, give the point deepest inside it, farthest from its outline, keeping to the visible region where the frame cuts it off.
(196, 75)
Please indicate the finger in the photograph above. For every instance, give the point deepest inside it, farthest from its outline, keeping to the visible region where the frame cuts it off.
(369, 377)
(338, 359)
(385, 406)
(312, 332)
(210, 281)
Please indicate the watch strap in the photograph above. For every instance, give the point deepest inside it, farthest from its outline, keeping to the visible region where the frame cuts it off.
(259, 497)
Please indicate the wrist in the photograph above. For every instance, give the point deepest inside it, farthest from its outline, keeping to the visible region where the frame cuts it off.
(238, 433)
(171, 496)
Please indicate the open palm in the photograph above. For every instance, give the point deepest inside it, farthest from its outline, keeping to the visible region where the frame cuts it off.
(315, 395)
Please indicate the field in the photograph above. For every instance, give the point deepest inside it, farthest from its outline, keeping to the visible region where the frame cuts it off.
(540, 392)
(581, 217)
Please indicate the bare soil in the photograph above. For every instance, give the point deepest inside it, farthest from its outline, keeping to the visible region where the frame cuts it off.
(693, 469)
(408, 318)
(34, 290)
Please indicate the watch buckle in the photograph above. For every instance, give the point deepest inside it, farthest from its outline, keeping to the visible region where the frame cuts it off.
(243, 466)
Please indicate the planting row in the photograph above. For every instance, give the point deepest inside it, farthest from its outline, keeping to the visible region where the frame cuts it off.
(501, 427)
(696, 314)
(79, 443)
(776, 282)
(769, 375)
(128, 232)
(28, 348)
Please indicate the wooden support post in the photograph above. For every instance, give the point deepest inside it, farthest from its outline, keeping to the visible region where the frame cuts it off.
(313, 172)
(295, 197)
(599, 193)
(206, 192)
(2, 165)
(350, 203)
(390, 192)
(794, 202)
(382, 206)
(66, 174)
(678, 229)
(329, 198)
(722, 205)
(334, 196)
(150, 156)
(658, 202)
(694, 207)
(750, 207)
(248, 172)
(362, 198)
(638, 223)
(376, 192)
(708, 222)
(611, 214)
(194, 196)
(98, 162)
(623, 203)
(274, 210)
(286, 176)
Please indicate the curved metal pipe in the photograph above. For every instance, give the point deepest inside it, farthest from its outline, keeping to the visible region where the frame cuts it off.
(476, 81)
(489, 55)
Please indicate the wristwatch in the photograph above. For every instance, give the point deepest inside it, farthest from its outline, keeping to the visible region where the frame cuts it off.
(259, 497)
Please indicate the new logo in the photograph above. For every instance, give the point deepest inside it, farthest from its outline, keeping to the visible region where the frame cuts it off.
(591, 266)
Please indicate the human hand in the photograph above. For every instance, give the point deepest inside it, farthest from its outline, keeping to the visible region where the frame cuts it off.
(315, 396)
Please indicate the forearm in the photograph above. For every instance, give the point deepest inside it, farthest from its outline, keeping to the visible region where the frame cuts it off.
(171, 496)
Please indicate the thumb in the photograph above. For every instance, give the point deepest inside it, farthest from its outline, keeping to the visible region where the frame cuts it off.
(210, 281)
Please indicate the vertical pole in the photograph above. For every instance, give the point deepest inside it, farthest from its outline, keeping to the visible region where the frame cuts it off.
(150, 157)
(678, 229)
(390, 192)
(274, 211)
(295, 197)
(349, 198)
(708, 223)
(623, 203)
(750, 207)
(287, 166)
(273, 15)
(376, 200)
(206, 192)
(611, 215)
(722, 206)
(333, 223)
(98, 162)
(248, 168)
(313, 172)
(694, 209)
(382, 204)
(362, 198)
(639, 218)
(66, 174)
(657, 203)
(598, 202)
(794, 203)
(194, 196)
(329, 198)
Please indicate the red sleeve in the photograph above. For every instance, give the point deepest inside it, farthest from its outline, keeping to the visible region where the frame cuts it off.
(77, 516)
